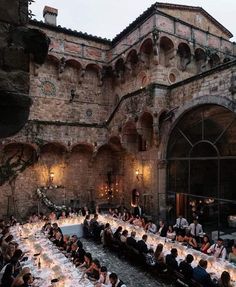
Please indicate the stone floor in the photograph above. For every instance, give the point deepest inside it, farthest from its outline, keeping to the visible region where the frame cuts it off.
(131, 275)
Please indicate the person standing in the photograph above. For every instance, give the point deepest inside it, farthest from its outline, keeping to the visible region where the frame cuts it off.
(181, 225)
(196, 230)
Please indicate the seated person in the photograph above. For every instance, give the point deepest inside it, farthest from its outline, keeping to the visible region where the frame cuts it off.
(205, 244)
(151, 227)
(162, 230)
(186, 269)
(192, 242)
(115, 281)
(150, 258)
(225, 280)
(131, 241)
(117, 234)
(93, 272)
(124, 236)
(171, 262)
(159, 257)
(78, 254)
(87, 261)
(18, 281)
(232, 255)
(171, 234)
(107, 236)
(218, 250)
(63, 215)
(138, 221)
(59, 242)
(104, 277)
(201, 275)
(142, 246)
(28, 280)
(86, 227)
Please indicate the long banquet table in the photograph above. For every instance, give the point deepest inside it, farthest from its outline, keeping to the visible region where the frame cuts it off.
(215, 266)
(55, 265)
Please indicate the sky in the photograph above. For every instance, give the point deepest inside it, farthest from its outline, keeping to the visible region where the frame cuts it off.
(107, 18)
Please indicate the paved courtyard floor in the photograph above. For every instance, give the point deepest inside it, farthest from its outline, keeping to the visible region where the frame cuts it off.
(131, 275)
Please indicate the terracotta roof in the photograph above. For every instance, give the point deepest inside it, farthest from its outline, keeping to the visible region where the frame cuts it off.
(70, 32)
(142, 18)
(152, 10)
(197, 9)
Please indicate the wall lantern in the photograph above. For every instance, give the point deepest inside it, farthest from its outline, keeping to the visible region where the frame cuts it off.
(139, 175)
(51, 177)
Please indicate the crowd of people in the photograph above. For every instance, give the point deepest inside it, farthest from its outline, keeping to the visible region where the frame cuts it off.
(120, 240)
(12, 274)
(188, 234)
(11, 256)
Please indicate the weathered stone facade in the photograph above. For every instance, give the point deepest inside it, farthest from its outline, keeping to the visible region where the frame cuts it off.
(103, 111)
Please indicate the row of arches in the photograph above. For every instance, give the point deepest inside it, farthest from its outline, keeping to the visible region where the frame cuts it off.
(166, 52)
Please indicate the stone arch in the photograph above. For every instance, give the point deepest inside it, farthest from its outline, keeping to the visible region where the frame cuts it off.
(74, 63)
(51, 65)
(214, 60)
(146, 46)
(56, 146)
(132, 57)
(201, 154)
(184, 56)
(93, 74)
(92, 66)
(119, 69)
(115, 143)
(52, 159)
(71, 73)
(200, 60)
(130, 137)
(167, 51)
(145, 52)
(82, 147)
(53, 59)
(204, 100)
(132, 62)
(146, 130)
(19, 147)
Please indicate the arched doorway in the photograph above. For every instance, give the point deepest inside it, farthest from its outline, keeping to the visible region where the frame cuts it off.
(201, 158)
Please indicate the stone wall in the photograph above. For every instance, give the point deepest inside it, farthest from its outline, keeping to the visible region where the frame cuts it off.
(102, 112)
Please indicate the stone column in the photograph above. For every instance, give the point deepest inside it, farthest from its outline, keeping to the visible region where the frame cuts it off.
(161, 178)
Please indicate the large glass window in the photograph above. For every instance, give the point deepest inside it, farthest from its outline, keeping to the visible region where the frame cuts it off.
(202, 167)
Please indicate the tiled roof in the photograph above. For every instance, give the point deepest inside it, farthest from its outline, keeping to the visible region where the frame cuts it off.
(70, 32)
(145, 15)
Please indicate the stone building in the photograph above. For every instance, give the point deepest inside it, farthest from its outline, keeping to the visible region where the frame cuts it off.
(147, 116)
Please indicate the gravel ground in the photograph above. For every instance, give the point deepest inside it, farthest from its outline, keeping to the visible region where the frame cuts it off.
(132, 276)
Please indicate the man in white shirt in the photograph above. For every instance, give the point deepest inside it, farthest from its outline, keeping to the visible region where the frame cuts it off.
(151, 227)
(104, 278)
(195, 229)
(181, 225)
(218, 250)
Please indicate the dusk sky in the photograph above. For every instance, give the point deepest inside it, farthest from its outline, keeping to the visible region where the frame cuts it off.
(106, 18)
